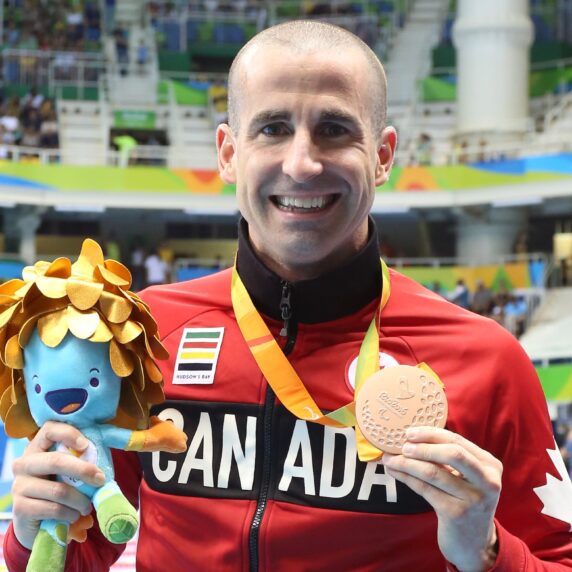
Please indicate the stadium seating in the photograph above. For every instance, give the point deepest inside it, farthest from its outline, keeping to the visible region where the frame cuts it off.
(167, 189)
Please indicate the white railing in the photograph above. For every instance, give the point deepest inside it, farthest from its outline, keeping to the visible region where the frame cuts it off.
(558, 111)
(550, 358)
(141, 155)
(183, 18)
(526, 141)
(559, 64)
(443, 262)
(492, 151)
(452, 153)
(11, 256)
(403, 262)
(177, 15)
(181, 263)
(51, 68)
(157, 155)
(175, 125)
(105, 122)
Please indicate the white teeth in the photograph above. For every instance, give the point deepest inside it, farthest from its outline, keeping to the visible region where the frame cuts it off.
(304, 203)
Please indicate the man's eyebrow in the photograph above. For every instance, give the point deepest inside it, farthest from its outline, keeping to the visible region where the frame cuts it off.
(338, 115)
(345, 118)
(268, 116)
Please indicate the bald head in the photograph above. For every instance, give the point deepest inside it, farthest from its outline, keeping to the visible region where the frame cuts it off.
(301, 37)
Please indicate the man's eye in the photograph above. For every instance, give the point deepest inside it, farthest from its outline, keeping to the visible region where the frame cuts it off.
(333, 130)
(274, 130)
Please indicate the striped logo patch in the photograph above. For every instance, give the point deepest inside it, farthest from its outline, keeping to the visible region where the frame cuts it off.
(197, 356)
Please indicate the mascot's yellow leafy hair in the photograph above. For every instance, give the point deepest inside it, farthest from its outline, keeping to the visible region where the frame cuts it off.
(77, 346)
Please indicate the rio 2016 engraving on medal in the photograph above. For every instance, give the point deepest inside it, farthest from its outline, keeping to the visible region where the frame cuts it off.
(395, 398)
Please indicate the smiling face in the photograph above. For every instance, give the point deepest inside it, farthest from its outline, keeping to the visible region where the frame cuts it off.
(306, 160)
(73, 382)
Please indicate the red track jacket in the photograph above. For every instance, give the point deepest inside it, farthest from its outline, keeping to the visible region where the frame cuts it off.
(261, 490)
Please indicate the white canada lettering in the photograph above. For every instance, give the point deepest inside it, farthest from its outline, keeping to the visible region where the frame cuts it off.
(300, 446)
(372, 477)
(300, 442)
(231, 447)
(233, 451)
(203, 436)
(336, 478)
(327, 489)
(167, 474)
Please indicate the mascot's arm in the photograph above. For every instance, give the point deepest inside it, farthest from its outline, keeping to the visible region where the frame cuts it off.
(161, 436)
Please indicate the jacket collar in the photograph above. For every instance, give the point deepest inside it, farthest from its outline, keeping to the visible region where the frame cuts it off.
(334, 295)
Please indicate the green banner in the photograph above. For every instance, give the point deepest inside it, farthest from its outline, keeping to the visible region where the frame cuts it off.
(133, 119)
(549, 81)
(556, 381)
(436, 89)
(540, 83)
(184, 94)
(510, 275)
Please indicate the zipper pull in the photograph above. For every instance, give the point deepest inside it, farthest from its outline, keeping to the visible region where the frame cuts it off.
(285, 309)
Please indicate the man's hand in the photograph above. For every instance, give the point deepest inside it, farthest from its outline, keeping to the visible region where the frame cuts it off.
(462, 482)
(36, 496)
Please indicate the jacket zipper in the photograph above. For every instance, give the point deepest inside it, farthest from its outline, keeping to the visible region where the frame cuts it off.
(288, 331)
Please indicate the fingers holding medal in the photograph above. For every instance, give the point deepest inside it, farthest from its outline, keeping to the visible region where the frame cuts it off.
(396, 398)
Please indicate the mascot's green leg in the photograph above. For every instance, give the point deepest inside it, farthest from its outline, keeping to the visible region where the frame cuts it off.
(117, 519)
(49, 549)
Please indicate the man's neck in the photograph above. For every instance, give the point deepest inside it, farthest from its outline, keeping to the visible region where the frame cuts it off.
(332, 294)
(296, 272)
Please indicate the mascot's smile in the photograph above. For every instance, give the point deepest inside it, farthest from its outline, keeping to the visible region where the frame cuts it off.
(66, 401)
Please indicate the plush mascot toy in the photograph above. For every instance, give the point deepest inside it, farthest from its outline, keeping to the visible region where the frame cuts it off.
(77, 346)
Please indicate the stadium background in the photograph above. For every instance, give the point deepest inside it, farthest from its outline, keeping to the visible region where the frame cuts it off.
(107, 119)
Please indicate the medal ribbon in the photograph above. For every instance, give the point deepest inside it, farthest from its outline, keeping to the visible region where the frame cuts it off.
(284, 380)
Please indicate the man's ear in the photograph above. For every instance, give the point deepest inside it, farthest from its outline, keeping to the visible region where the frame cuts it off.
(385, 155)
(226, 153)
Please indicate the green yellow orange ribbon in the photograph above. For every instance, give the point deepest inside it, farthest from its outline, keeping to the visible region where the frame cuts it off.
(284, 380)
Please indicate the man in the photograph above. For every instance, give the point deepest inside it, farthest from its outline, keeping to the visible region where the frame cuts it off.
(482, 302)
(258, 488)
(461, 295)
(157, 270)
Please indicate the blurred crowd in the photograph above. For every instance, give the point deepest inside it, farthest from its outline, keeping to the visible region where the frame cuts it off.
(153, 263)
(563, 436)
(29, 121)
(308, 8)
(503, 306)
(55, 25)
(227, 16)
(218, 102)
(422, 152)
(174, 8)
(149, 266)
(53, 36)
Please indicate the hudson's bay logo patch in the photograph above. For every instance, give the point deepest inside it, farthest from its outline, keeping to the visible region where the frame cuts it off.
(197, 356)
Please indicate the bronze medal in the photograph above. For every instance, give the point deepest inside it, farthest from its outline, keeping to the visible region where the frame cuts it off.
(395, 398)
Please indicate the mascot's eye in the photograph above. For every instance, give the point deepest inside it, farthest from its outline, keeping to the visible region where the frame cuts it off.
(94, 382)
(37, 388)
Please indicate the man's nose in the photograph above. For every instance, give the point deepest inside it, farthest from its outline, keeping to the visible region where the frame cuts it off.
(302, 161)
